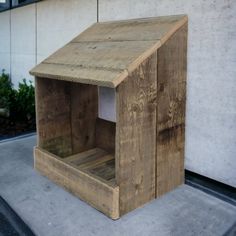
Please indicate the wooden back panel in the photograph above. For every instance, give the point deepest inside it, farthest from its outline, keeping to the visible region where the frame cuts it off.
(105, 135)
(53, 116)
(84, 112)
(66, 116)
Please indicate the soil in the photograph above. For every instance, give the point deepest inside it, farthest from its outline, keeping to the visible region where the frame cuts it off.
(9, 128)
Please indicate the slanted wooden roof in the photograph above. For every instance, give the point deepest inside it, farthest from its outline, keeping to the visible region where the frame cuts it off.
(106, 53)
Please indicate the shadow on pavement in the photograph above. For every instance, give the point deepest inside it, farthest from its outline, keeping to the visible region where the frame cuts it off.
(10, 223)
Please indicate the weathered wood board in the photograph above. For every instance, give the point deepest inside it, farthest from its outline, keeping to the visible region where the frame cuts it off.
(107, 52)
(113, 56)
(115, 167)
(84, 112)
(97, 193)
(172, 62)
(66, 116)
(97, 162)
(136, 136)
(105, 135)
(53, 116)
(145, 29)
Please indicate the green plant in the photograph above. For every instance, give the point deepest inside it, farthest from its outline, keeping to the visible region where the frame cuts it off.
(25, 101)
(6, 90)
(19, 102)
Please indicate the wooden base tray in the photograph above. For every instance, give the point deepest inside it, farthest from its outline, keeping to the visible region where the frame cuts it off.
(95, 162)
(90, 175)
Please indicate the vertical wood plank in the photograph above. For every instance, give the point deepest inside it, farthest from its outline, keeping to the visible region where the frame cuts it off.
(136, 136)
(105, 135)
(53, 116)
(84, 112)
(172, 68)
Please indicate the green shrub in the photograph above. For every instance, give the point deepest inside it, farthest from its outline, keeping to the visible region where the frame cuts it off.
(19, 102)
(6, 91)
(25, 101)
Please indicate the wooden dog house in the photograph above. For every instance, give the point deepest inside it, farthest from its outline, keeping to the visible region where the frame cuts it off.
(115, 166)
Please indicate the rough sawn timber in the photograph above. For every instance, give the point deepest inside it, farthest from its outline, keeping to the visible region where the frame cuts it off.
(106, 53)
(136, 136)
(172, 68)
(102, 196)
(115, 167)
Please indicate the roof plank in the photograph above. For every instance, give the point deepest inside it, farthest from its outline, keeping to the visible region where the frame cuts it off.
(106, 53)
(95, 76)
(145, 29)
(109, 55)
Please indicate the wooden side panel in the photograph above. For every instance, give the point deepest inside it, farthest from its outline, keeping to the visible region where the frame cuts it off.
(105, 135)
(172, 68)
(53, 116)
(84, 112)
(103, 197)
(136, 136)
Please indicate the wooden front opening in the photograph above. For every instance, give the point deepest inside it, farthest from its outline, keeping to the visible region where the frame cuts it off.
(72, 139)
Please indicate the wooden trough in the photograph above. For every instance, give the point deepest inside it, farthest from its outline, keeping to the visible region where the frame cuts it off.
(116, 166)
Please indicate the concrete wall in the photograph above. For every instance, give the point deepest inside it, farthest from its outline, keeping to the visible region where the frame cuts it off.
(58, 21)
(211, 99)
(23, 42)
(29, 34)
(5, 41)
(39, 29)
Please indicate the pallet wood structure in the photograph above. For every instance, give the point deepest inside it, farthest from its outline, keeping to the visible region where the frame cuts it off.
(115, 166)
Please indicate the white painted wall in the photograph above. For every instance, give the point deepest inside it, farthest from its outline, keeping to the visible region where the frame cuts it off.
(211, 99)
(58, 21)
(5, 41)
(107, 104)
(38, 30)
(23, 42)
(31, 33)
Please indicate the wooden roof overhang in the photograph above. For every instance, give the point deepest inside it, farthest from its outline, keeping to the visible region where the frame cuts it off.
(107, 52)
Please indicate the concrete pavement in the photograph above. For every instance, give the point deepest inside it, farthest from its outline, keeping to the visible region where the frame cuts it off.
(51, 211)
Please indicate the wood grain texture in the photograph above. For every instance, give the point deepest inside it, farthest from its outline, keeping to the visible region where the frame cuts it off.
(53, 116)
(136, 136)
(107, 52)
(172, 69)
(153, 28)
(115, 167)
(84, 112)
(104, 77)
(97, 193)
(170, 159)
(112, 56)
(105, 135)
(96, 162)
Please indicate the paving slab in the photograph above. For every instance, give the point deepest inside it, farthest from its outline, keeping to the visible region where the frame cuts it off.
(49, 210)
(10, 223)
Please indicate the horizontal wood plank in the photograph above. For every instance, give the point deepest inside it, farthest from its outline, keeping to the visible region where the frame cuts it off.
(153, 28)
(106, 53)
(100, 195)
(97, 76)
